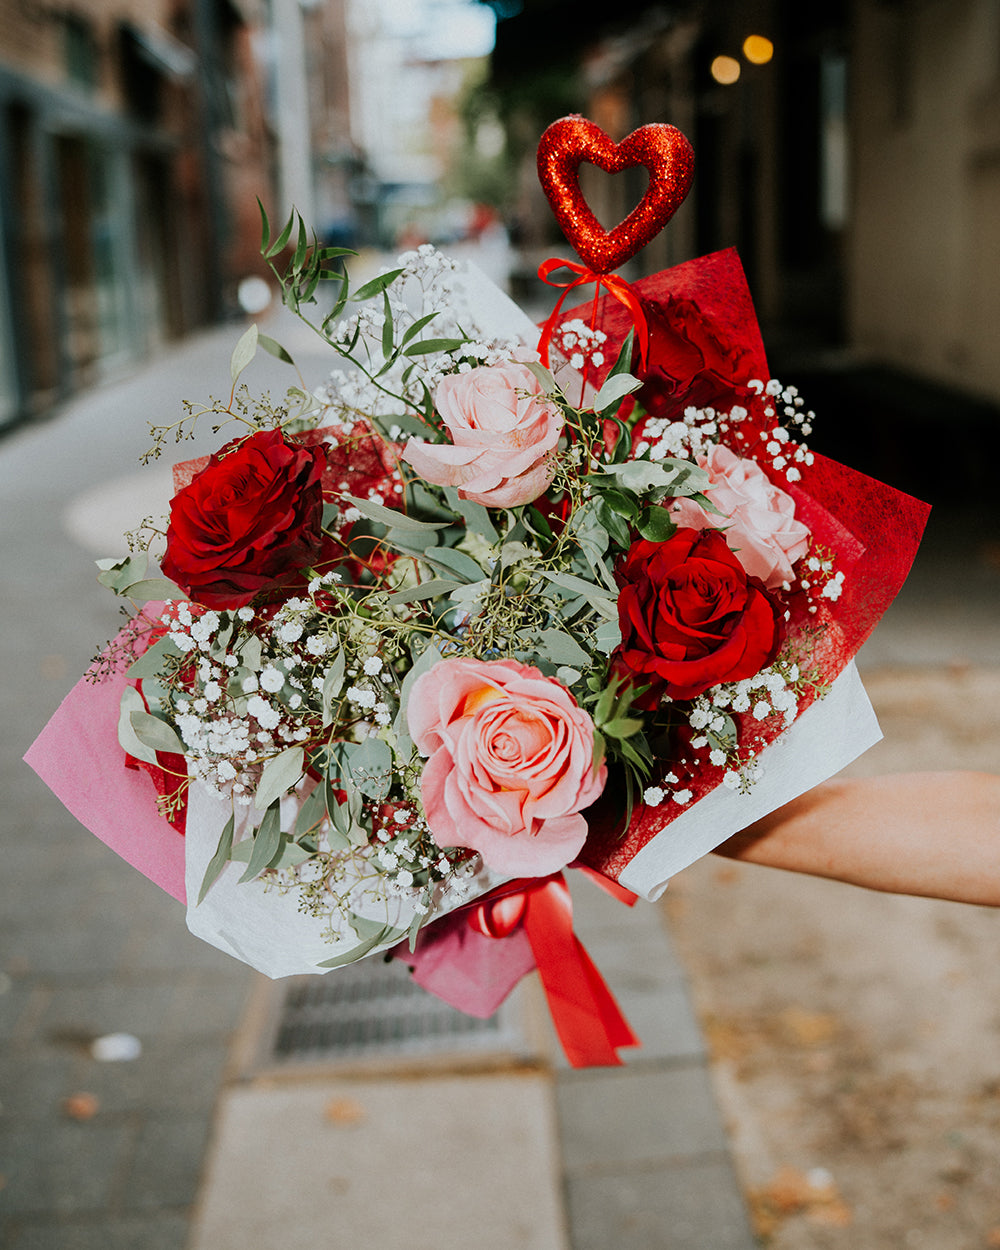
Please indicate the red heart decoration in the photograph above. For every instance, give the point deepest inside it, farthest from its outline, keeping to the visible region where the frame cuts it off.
(570, 141)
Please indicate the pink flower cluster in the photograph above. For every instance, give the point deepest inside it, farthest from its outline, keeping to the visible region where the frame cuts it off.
(511, 763)
(759, 517)
(503, 434)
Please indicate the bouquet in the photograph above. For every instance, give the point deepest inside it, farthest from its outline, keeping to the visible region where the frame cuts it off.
(486, 605)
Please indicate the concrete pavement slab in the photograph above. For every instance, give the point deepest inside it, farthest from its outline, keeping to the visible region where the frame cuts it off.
(694, 1206)
(440, 1163)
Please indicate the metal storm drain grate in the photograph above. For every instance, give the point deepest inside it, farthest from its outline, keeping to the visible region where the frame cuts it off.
(372, 1008)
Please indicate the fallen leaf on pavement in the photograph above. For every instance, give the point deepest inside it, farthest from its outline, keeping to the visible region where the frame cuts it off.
(792, 1192)
(808, 1028)
(81, 1106)
(345, 1112)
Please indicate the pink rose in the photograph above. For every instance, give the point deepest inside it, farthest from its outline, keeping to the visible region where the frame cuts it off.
(761, 530)
(503, 432)
(511, 763)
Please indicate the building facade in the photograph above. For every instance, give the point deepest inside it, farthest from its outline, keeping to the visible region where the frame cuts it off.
(850, 150)
(127, 132)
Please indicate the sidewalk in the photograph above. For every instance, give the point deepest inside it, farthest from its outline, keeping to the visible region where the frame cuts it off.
(511, 1151)
(110, 1156)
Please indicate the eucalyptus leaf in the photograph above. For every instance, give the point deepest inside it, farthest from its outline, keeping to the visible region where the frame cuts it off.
(588, 531)
(252, 652)
(407, 423)
(607, 636)
(152, 659)
(372, 768)
(224, 634)
(614, 390)
(274, 348)
(385, 935)
(154, 733)
(243, 352)
(412, 542)
(118, 575)
(394, 520)
(471, 593)
(279, 775)
(459, 563)
(422, 663)
(537, 523)
(311, 813)
(425, 502)
(476, 517)
(291, 855)
(562, 648)
(622, 502)
(415, 926)
(426, 590)
(515, 553)
(220, 858)
(131, 702)
(726, 738)
(517, 533)
(153, 588)
(339, 817)
(266, 843)
(366, 928)
(594, 595)
(544, 376)
(333, 682)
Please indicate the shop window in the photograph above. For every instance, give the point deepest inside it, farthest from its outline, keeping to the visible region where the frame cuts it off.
(80, 51)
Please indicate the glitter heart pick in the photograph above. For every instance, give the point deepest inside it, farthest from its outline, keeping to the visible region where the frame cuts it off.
(661, 148)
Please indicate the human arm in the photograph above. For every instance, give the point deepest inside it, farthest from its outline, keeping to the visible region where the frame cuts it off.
(932, 834)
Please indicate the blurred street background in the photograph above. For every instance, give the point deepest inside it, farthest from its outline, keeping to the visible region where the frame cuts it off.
(821, 1066)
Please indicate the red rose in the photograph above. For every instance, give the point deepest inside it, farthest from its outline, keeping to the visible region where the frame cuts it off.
(688, 364)
(250, 521)
(691, 617)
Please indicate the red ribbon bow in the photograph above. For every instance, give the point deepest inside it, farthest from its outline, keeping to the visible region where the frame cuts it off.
(615, 286)
(589, 1022)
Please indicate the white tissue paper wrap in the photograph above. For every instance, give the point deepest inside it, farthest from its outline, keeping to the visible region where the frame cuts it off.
(261, 925)
(828, 735)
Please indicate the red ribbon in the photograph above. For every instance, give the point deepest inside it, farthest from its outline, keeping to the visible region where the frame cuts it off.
(615, 286)
(589, 1022)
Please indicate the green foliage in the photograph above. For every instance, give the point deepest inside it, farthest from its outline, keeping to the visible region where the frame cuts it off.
(282, 772)
(267, 843)
(219, 859)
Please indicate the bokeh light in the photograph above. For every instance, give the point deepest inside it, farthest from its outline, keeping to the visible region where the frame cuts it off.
(725, 70)
(757, 49)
